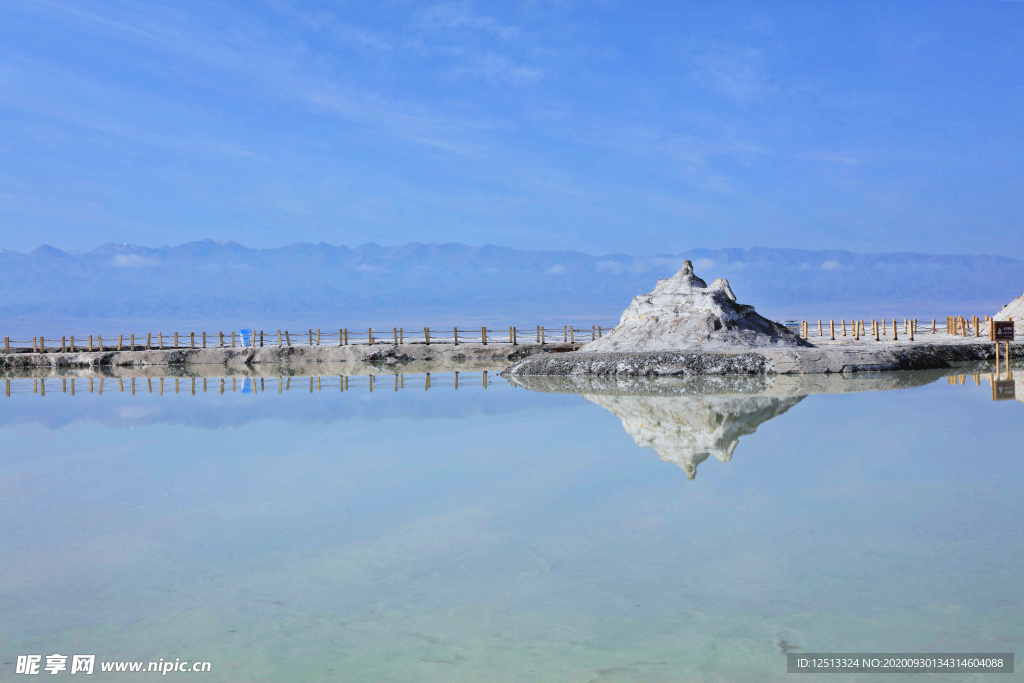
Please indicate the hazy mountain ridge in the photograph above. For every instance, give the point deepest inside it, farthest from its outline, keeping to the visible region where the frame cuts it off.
(445, 283)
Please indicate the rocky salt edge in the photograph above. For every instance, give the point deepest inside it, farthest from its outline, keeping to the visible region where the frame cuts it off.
(687, 327)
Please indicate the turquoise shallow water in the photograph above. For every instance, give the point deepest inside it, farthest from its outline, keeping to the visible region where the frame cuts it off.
(501, 534)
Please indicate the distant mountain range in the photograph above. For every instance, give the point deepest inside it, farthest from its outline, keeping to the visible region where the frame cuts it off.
(215, 285)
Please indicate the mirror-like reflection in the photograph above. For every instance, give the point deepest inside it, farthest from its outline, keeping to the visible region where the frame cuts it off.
(685, 430)
(686, 420)
(483, 532)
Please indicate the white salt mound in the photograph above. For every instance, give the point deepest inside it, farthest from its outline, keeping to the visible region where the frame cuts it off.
(1012, 311)
(683, 313)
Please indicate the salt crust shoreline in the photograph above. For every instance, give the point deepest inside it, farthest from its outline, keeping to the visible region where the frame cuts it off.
(817, 360)
(536, 359)
(372, 356)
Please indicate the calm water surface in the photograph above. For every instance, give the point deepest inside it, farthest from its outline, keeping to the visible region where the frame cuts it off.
(502, 534)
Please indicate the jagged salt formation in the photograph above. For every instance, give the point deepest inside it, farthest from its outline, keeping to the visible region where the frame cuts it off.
(685, 430)
(683, 313)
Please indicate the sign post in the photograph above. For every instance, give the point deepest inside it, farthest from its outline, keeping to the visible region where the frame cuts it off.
(1000, 330)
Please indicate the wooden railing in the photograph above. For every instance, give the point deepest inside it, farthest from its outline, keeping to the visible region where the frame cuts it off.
(343, 336)
(893, 328)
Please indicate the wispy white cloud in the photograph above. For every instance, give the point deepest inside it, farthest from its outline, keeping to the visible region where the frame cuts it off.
(736, 72)
(831, 157)
(460, 16)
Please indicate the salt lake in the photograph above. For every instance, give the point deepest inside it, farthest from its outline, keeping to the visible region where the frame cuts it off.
(308, 529)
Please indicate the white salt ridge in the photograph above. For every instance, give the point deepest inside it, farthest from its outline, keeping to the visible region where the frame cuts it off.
(683, 313)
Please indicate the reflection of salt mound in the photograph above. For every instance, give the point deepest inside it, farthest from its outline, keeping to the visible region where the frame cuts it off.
(683, 313)
(687, 429)
(1013, 310)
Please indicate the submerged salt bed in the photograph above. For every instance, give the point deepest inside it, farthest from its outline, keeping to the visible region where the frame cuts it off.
(503, 534)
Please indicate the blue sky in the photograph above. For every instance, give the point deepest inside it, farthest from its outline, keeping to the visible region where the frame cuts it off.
(597, 126)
